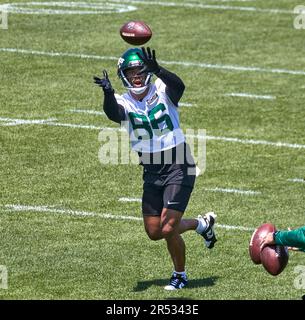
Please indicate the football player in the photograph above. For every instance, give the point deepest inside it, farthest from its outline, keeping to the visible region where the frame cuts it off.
(150, 109)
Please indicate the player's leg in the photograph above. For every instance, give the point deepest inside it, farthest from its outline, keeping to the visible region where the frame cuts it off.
(152, 204)
(170, 221)
(176, 196)
(204, 225)
(152, 225)
(175, 200)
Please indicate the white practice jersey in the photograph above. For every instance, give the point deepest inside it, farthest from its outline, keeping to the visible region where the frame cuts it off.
(153, 123)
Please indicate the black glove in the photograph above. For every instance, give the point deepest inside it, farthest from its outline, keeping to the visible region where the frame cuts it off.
(150, 63)
(104, 83)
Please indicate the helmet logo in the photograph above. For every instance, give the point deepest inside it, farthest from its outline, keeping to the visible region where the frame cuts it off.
(120, 62)
(134, 64)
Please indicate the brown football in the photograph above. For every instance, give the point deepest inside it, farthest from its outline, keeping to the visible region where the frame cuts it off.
(136, 32)
(256, 239)
(274, 259)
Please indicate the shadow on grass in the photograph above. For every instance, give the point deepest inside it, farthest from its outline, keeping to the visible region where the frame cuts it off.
(192, 283)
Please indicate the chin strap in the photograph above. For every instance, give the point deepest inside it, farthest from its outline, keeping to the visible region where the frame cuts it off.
(138, 90)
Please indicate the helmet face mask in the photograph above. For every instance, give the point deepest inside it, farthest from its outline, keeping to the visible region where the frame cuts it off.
(128, 66)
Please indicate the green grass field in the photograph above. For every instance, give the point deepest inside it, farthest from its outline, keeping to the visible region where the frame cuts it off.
(51, 176)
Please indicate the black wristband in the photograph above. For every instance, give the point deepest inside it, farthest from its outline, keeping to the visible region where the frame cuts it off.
(108, 91)
(159, 72)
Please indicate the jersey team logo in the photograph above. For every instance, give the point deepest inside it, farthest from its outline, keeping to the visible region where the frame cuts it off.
(153, 99)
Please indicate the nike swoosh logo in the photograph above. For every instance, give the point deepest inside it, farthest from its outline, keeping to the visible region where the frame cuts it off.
(169, 202)
(210, 233)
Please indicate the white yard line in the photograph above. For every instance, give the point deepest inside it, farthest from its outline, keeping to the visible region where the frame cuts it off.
(178, 63)
(57, 54)
(101, 113)
(51, 209)
(16, 122)
(227, 227)
(40, 7)
(232, 0)
(204, 6)
(186, 104)
(78, 126)
(49, 122)
(250, 95)
(296, 180)
(108, 6)
(225, 190)
(125, 199)
(94, 112)
(232, 67)
(256, 142)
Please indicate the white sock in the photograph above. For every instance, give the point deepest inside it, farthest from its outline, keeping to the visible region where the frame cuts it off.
(182, 273)
(201, 225)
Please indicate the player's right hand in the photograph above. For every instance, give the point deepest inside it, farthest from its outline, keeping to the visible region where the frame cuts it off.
(268, 239)
(104, 82)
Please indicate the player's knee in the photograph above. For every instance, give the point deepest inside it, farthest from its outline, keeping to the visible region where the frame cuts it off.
(168, 231)
(154, 235)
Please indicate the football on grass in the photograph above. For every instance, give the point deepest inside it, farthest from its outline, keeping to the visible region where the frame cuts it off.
(136, 32)
(256, 239)
(274, 259)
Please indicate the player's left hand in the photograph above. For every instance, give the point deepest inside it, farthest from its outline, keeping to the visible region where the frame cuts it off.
(150, 63)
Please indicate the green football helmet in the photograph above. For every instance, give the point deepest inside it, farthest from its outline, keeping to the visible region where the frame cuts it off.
(129, 60)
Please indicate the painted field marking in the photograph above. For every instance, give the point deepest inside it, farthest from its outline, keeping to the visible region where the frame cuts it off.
(232, 0)
(95, 8)
(204, 6)
(118, 6)
(186, 104)
(94, 112)
(250, 95)
(125, 199)
(51, 209)
(77, 126)
(92, 127)
(178, 63)
(102, 113)
(226, 190)
(57, 54)
(257, 142)
(296, 180)
(16, 122)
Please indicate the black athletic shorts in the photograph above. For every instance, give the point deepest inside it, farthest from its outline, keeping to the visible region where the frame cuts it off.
(168, 185)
